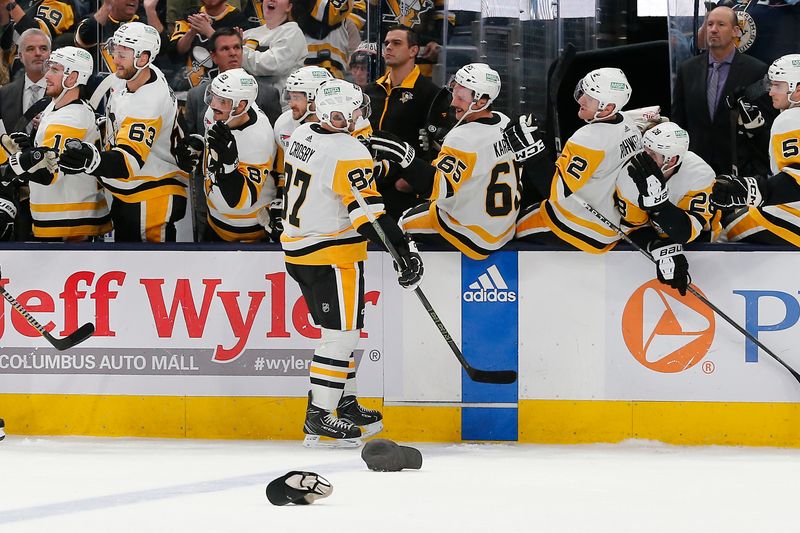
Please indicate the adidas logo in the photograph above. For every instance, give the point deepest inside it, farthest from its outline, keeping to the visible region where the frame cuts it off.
(490, 287)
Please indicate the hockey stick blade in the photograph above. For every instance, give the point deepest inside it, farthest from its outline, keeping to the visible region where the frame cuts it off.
(498, 377)
(74, 338)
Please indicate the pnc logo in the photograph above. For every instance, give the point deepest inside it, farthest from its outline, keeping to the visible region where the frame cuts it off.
(664, 331)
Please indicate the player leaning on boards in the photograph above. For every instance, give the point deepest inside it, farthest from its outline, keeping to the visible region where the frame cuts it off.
(73, 207)
(138, 167)
(299, 93)
(586, 169)
(663, 196)
(325, 244)
(472, 185)
(239, 158)
(772, 203)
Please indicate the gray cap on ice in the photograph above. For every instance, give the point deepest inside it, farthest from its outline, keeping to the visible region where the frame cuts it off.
(384, 455)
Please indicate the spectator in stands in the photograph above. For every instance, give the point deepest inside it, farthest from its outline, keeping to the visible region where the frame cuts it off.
(277, 48)
(702, 86)
(196, 29)
(400, 101)
(330, 32)
(54, 17)
(363, 63)
(177, 10)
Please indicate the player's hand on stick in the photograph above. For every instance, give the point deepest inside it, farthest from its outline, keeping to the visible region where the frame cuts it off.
(409, 274)
(30, 161)
(735, 191)
(672, 268)
(15, 141)
(392, 148)
(78, 157)
(749, 115)
(223, 154)
(653, 189)
(525, 138)
(189, 151)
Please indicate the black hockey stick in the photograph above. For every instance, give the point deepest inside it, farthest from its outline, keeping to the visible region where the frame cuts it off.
(554, 83)
(481, 376)
(76, 337)
(690, 288)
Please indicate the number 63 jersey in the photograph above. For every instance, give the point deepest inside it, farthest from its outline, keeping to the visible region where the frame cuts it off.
(322, 215)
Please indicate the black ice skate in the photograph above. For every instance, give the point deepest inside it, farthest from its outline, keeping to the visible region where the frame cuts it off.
(324, 430)
(2, 429)
(369, 420)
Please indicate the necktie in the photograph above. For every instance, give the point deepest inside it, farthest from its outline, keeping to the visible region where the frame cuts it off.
(35, 96)
(713, 85)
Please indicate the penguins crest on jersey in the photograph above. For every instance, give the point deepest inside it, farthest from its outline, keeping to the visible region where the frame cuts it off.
(142, 126)
(321, 211)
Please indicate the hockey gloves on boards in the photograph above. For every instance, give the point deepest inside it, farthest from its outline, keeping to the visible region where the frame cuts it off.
(28, 162)
(525, 138)
(653, 189)
(409, 273)
(672, 268)
(223, 154)
(189, 152)
(735, 191)
(79, 157)
(14, 142)
(390, 147)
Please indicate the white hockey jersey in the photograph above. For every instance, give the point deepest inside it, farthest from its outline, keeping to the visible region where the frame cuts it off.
(587, 168)
(142, 127)
(475, 195)
(72, 205)
(689, 189)
(321, 212)
(284, 127)
(256, 150)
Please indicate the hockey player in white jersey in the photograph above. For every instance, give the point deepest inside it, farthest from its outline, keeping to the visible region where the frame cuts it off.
(473, 184)
(772, 203)
(325, 246)
(301, 88)
(587, 168)
(138, 167)
(67, 207)
(239, 158)
(663, 197)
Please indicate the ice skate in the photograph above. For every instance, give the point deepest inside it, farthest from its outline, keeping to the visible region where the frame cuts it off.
(369, 420)
(324, 430)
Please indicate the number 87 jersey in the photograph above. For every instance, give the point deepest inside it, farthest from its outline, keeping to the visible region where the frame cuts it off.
(322, 214)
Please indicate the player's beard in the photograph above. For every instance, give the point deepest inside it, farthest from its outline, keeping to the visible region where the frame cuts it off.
(127, 73)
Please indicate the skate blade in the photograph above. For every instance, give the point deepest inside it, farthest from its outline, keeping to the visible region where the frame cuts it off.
(371, 429)
(318, 441)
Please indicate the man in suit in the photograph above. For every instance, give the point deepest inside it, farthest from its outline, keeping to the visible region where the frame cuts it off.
(225, 46)
(702, 86)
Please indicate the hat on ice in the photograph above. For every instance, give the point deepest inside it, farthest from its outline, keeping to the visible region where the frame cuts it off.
(300, 488)
(383, 455)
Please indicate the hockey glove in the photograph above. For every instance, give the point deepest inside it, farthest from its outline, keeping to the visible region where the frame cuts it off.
(672, 268)
(189, 151)
(31, 161)
(15, 141)
(275, 224)
(525, 138)
(392, 148)
(653, 190)
(79, 157)
(409, 274)
(8, 212)
(734, 191)
(223, 154)
(749, 116)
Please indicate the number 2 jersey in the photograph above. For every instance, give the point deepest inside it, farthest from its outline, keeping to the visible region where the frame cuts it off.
(322, 214)
(73, 205)
(587, 168)
(142, 127)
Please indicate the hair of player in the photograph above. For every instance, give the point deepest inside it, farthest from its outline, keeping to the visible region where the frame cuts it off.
(412, 38)
(221, 32)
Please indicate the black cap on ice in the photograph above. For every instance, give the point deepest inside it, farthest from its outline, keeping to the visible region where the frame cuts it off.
(383, 455)
(300, 488)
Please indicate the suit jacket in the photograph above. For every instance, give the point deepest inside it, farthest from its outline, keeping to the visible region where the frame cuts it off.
(11, 103)
(711, 139)
(268, 99)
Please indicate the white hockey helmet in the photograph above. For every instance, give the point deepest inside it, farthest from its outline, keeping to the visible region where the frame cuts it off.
(73, 59)
(306, 80)
(786, 68)
(669, 140)
(235, 85)
(607, 86)
(336, 96)
(140, 38)
(481, 79)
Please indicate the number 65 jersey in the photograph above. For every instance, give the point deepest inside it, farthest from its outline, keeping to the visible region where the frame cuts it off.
(322, 214)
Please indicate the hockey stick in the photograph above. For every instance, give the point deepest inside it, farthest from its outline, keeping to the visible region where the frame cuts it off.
(554, 83)
(481, 376)
(690, 288)
(65, 343)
